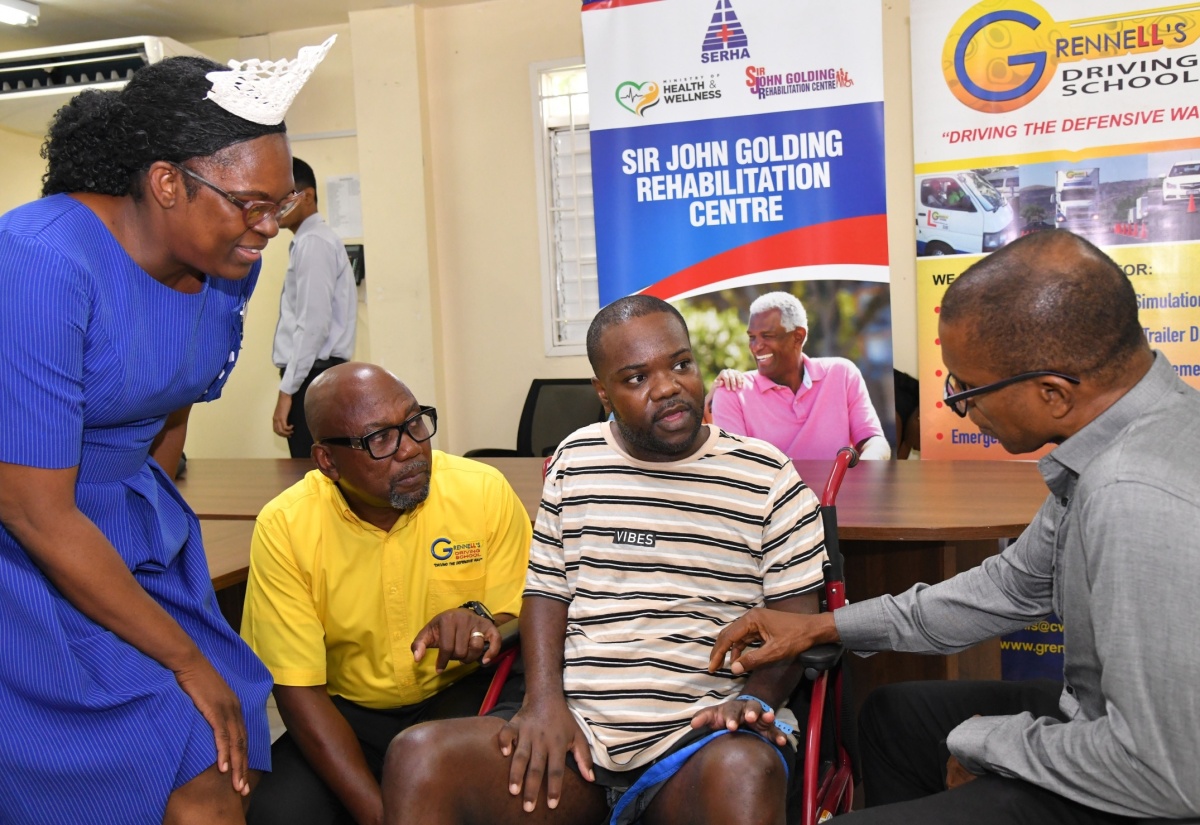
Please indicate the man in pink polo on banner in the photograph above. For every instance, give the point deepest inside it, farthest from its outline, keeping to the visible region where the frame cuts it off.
(807, 407)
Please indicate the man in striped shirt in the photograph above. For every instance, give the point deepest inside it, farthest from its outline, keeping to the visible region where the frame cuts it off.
(654, 532)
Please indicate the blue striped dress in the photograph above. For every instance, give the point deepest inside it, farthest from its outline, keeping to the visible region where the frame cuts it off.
(96, 353)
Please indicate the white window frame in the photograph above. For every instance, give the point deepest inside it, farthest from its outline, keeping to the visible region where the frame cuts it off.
(542, 133)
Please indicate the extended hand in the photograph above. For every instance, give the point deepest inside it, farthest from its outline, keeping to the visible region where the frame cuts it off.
(740, 713)
(459, 635)
(221, 709)
(279, 419)
(783, 636)
(538, 738)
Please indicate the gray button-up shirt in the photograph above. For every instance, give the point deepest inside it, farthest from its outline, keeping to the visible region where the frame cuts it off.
(1115, 551)
(318, 306)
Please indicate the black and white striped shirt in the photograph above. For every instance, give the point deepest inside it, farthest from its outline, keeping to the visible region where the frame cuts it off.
(653, 559)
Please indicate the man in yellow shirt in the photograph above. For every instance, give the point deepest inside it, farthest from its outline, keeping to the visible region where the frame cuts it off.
(388, 549)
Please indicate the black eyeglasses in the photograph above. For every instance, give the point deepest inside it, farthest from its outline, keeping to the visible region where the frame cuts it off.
(253, 212)
(384, 443)
(956, 393)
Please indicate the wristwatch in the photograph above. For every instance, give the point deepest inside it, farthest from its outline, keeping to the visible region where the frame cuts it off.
(479, 609)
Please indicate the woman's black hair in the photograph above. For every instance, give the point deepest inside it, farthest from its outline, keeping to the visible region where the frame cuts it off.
(104, 142)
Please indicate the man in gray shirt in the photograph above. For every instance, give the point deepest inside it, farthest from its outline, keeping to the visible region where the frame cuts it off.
(317, 311)
(1043, 345)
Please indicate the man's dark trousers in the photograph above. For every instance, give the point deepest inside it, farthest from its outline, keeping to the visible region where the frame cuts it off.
(902, 736)
(293, 794)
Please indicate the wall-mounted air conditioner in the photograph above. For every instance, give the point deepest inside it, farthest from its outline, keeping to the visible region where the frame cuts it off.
(35, 83)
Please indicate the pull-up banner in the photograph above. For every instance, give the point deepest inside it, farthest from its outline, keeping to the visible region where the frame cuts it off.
(1069, 114)
(737, 147)
(735, 142)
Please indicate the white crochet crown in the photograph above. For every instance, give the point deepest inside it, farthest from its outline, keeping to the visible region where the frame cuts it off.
(261, 91)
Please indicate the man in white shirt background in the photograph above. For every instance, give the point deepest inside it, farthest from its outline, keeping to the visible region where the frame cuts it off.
(317, 311)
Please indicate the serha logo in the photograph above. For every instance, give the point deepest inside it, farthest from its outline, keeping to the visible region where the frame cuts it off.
(998, 60)
(637, 97)
(725, 39)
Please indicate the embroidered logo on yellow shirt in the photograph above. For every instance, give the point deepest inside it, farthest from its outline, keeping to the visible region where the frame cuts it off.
(447, 553)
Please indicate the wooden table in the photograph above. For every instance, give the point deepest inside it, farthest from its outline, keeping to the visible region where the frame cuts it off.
(907, 501)
(238, 488)
(904, 522)
(227, 495)
(900, 522)
(879, 501)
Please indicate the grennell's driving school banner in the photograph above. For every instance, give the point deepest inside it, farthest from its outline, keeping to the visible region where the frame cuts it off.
(1079, 115)
(737, 148)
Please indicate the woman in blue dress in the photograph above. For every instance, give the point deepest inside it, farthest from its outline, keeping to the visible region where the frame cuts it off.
(124, 695)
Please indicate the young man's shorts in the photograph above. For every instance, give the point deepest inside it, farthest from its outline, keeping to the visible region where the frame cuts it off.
(629, 793)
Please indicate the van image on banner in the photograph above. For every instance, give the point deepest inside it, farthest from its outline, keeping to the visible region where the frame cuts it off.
(961, 213)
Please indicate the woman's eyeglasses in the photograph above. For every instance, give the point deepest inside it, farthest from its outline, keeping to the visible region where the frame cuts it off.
(253, 212)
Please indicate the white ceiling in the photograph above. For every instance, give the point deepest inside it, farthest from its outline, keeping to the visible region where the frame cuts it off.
(77, 21)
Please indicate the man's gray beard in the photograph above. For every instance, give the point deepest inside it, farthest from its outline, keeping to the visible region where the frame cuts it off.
(406, 501)
(650, 443)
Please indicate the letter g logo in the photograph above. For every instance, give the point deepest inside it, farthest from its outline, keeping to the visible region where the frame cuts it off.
(997, 60)
(1038, 61)
(440, 549)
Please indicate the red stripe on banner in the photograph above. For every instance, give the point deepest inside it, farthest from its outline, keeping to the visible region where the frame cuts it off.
(849, 241)
(615, 4)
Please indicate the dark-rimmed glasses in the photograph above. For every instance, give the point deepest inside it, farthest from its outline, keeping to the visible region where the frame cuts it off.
(384, 443)
(956, 393)
(253, 212)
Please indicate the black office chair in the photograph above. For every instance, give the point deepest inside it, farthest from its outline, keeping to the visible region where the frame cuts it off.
(554, 408)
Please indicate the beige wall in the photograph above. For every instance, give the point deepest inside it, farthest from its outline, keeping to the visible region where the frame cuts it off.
(901, 206)
(431, 107)
(397, 195)
(485, 206)
(23, 168)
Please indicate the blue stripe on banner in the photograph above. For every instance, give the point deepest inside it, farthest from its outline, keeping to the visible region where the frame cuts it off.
(686, 192)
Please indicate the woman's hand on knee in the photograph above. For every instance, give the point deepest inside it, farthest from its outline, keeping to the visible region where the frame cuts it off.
(220, 707)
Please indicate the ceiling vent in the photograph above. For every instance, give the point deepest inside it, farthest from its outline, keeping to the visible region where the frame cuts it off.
(35, 83)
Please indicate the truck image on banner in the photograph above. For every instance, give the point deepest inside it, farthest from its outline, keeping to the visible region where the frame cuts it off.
(1076, 196)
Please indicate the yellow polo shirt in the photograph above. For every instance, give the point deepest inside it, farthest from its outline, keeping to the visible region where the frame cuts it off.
(333, 600)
